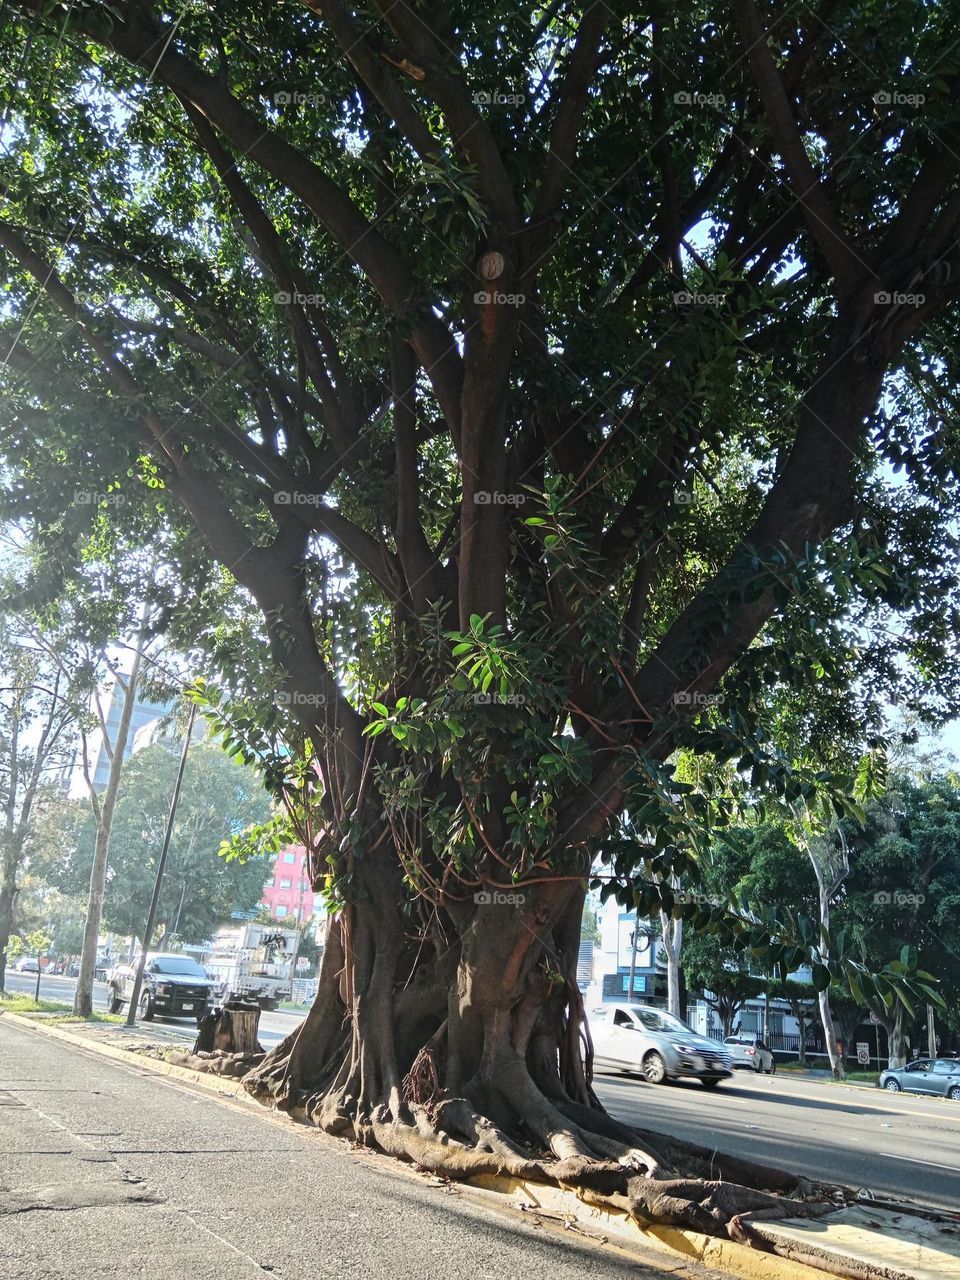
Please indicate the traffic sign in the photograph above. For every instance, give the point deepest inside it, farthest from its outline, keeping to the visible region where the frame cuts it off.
(863, 1053)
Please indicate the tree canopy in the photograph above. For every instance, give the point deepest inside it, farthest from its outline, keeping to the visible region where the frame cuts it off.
(514, 397)
(200, 889)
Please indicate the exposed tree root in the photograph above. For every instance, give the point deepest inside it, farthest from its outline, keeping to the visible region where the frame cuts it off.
(652, 1177)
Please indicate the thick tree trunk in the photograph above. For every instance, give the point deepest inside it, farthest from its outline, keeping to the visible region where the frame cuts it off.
(831, 870)
(467, 1051)
(7, 899)
(672, 938)
(896, 1029)
(830, 1036)
(83, 997)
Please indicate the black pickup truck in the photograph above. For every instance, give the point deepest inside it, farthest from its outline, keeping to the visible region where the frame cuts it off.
(174, 986)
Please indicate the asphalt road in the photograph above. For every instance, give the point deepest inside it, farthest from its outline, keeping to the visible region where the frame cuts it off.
(273, 1026)
(111, 1172)
(893, 1144)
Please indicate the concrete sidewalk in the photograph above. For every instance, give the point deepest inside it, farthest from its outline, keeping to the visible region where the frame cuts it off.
(109, 1171)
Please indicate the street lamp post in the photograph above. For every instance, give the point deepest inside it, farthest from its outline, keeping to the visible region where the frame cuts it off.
(154, 901)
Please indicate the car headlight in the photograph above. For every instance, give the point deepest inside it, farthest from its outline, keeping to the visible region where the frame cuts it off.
(684, 1047)
(162, 989)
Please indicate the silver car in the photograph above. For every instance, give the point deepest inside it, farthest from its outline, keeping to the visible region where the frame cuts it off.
(938, 1076)
(636, 1037)
(750, 1051)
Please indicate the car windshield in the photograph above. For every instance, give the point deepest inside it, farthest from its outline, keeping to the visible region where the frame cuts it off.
(659, 1020)
(181, 965)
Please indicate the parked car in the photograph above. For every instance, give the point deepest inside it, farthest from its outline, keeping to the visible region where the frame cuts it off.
(750, 1051)
(939, 1076)
(29, 964)
(174, 986)
(636, 1037)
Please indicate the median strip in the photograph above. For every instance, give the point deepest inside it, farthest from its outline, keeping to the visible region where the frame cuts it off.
(858, 1242)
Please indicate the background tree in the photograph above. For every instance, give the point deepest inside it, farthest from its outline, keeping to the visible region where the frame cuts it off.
(219, 800)
(722, 975)
(904, 893)
(549, 430)
(37, 717)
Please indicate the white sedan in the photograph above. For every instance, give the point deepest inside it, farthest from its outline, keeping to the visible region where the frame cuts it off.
(750, 1051)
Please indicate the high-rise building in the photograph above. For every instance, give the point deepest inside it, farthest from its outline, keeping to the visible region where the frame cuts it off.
(287, 894)
(111, 700)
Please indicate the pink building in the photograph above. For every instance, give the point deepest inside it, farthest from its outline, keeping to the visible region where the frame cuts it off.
(288, 894)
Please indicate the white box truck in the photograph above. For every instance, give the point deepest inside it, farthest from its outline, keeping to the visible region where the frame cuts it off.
(254, 962)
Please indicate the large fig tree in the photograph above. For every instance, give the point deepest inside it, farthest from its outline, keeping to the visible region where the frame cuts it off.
(566, 385)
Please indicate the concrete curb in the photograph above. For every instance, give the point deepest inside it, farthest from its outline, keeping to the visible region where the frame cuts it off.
(219, 1084)
(725, 1255)
(520, 1195)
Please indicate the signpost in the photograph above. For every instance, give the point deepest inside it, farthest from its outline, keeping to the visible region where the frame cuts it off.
(863, 1053)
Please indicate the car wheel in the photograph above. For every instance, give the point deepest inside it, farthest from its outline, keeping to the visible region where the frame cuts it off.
(116, 1004)
(893, 1085)
(954, 1092)
(773, 1067)
(654, 1070)
(146, 1007)
(710, 1082)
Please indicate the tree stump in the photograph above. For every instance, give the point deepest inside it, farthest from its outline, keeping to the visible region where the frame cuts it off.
(231, 1029)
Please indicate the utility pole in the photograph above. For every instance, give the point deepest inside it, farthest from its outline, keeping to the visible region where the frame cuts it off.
(931, 1033)
(152, 916)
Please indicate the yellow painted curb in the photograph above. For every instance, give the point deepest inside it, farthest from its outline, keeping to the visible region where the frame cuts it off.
(219, 1084)
(595, 1219)
(725, 1255)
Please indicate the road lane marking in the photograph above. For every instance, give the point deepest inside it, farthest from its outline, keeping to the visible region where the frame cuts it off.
(930, 1164)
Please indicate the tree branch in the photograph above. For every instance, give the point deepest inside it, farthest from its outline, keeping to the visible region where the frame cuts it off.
(821, 218)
